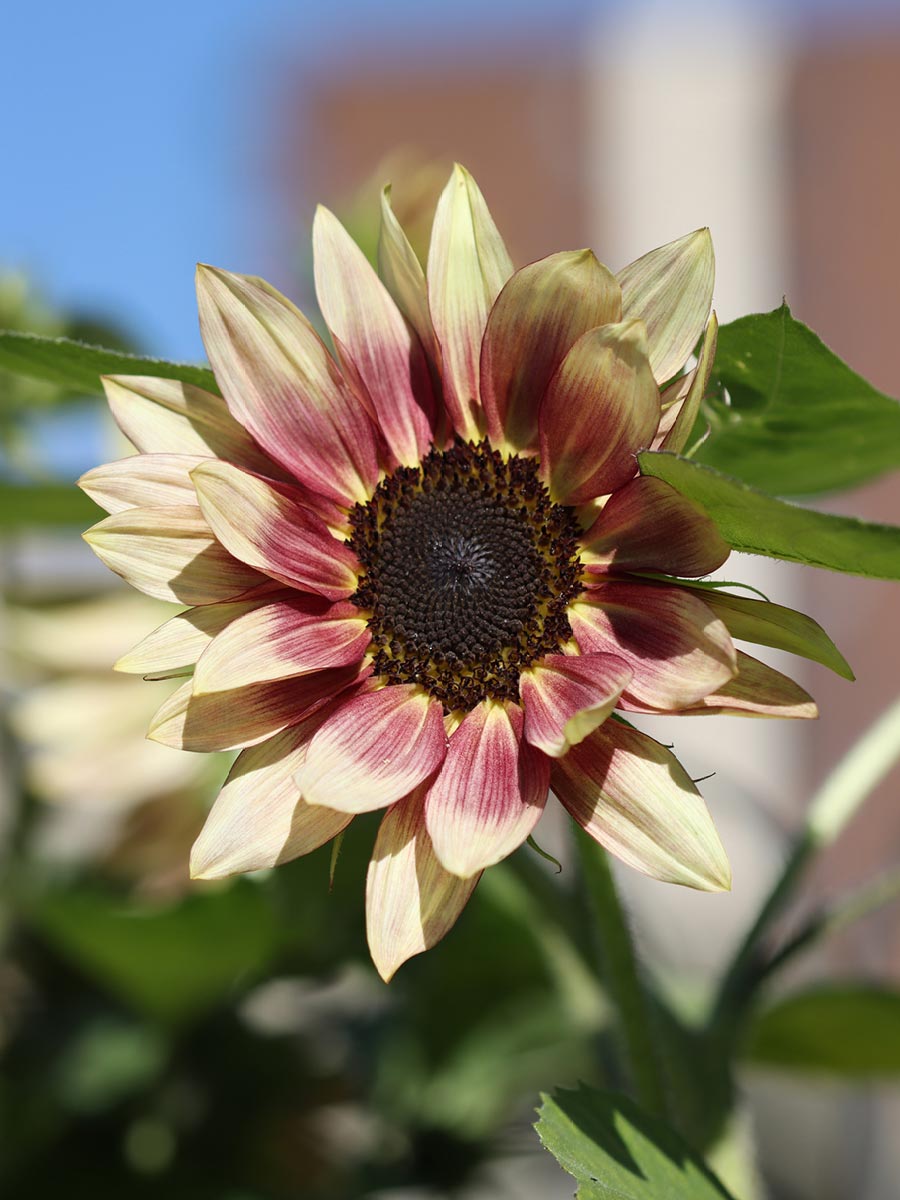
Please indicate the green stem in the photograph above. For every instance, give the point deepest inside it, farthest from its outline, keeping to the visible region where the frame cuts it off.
(621, 975)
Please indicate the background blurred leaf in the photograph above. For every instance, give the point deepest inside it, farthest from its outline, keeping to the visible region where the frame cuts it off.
(23, 506)
(800, 421)
(617, 1152)
(848, 1029)
(169, 963)
(759, 524)
(78, 367)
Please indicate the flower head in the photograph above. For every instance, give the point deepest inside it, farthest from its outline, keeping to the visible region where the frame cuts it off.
(424, 574)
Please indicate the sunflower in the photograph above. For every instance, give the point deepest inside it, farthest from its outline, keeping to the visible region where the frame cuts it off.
(423, 573)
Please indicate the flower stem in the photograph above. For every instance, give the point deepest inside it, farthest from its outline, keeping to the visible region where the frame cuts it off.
(621, 976)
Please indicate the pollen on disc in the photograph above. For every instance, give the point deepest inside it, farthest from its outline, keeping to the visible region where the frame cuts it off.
(469, 568)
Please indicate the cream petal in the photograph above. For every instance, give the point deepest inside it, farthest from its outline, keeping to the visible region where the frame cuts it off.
(142, 481)
(402, 275)
(412, 901)
(634, 797)
(539, 315)
(180, 641)
(170, 553)
(374, 749)
(670, 290)
(467, 266)
(490, 792)
(565, 697)
(677, 648)
(600, 408)
(259, 819)
(280, 382)
(677, 438)
(265, 525)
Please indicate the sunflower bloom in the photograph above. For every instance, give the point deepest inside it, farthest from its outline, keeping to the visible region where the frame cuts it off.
(423, 575)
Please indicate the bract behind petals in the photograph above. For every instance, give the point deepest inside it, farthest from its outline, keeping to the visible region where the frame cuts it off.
(412, 901)
(649, 526)
(374, 749)
(565, 697)
(538, 316)
(171, 554)
(258, 819)
(489, 793)
(670, 290)
(677, 438)
(467, 266)
(282, 640)
(677, 648)
(369, 331)
(265, 525)
(281, 383)
(634, 797)
(600, 408)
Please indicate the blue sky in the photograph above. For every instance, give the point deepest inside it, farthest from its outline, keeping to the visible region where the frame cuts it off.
(130, 131)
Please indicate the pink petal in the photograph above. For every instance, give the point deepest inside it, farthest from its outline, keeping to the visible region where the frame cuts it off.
(374, 749)
(566, 697)
(411, 900)
(170, 553)
(677, 648)
(280, 382)
(649, 526)
(142, 481)
(244, 716)
(490, 791)
(282, 640)
(600, 408)
(538, 316)
(259, 819)
(634, 797)
(467, 266)
(370, 333)
(265, 525)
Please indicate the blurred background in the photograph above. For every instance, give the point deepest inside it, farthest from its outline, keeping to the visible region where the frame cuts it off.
(232, 1042)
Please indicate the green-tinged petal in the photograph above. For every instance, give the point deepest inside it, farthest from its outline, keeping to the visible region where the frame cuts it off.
(537, 318)
(170, 553)
(635, 798)
(411, 900)
(281, 383)
(670, 290)
(142, 481)
(677, 438)
(600, 408)
(402, 275)
(182, 639)
(467, 266)
(758, 690)
(259, 819)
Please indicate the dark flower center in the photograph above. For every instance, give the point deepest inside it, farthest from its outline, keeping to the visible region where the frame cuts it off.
(469, 568)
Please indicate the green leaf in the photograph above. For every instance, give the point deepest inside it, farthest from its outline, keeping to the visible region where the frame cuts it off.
(851, 1030)
(759, 524)
(170, 963)
(800, 421)
(617, 1152)
(78, 367)
(23, 506)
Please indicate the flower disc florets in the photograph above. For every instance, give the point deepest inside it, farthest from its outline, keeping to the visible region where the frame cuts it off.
(468, 569)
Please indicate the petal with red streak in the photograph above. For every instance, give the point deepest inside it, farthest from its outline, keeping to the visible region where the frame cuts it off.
(170, 553)
(539, 315)
(467, 266)
(412, 901)
(259, 819)
(634, 797)
(281, 383)
(677, 648)
(565, 697)
(374, 749)
(489, 793)
(265, 525)
(282, 640)
(649, 526)
(600, 408)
